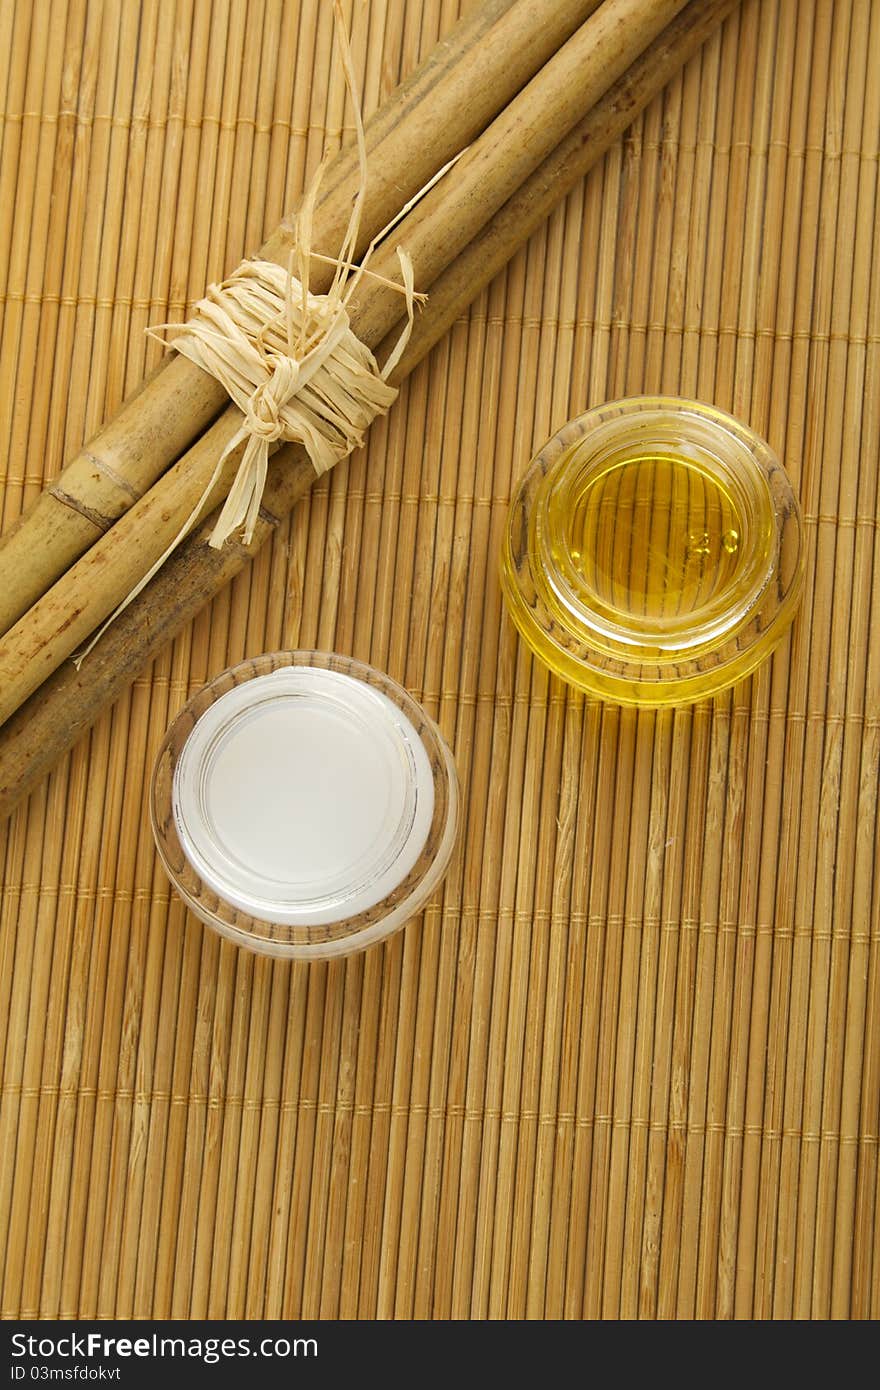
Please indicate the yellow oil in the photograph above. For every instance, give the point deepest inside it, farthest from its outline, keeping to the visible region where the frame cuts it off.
(649, 536)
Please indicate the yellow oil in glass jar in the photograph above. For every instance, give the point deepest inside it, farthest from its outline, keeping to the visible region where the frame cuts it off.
(653, 553)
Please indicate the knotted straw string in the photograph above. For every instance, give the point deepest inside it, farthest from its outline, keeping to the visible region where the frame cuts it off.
(289, 359)
(293, 366)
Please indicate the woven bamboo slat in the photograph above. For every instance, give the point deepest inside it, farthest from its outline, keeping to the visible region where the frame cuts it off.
(627, 1064)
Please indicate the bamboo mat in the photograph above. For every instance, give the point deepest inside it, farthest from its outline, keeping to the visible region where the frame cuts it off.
(628, 1064)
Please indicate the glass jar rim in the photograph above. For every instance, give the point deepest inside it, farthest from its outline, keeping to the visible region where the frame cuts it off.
(207, 845)
(742, 471)
(678, 659)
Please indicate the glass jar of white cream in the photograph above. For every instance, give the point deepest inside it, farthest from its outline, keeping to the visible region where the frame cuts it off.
(304, 805)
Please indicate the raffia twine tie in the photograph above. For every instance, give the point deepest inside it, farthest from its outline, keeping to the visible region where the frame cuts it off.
(294, 367)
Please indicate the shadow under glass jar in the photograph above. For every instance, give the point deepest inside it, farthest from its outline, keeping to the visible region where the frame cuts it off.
(654, 552)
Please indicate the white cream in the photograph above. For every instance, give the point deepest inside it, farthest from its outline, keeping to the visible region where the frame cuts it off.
(303, 797)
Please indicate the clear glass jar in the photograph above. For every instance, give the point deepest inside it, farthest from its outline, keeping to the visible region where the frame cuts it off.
(654, 552)
(304, 805)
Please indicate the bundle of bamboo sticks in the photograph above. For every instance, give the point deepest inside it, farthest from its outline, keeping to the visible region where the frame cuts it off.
(537, 94)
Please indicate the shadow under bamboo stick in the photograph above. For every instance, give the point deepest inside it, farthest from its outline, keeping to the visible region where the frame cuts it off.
(51, 719)
(462, 85)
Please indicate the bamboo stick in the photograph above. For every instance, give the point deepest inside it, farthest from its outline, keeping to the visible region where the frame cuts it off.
(86, 776)
(567, 1216)
(589, 888)
(278, 104)
(165, 151)
(36, 297)
(201, 1084)
(21, 1085)
(32, 1273)
(21, 35)
(654, 364)
(713, 985)
(778, 770)
(294, 1043)
(449, 1207)
(427, 1144)
(81, 97)
(267, 81)
(862, 1095)
(383, 630)
(662, 146)
(396, 1137)
(798, 967)
(126, 924)
(32, 145)
(433, 1095)
(836, 946)
(38, 77)
(135, 232)
(223, 1214)
(388, 648)
(335, 1047)
(607, 912)
(215, 1061)
(710, 758)
(22, 940)
(293, 151)
(673, 740)
(314, 1027)
(747, 766)
(782, 947)
(150, 1070)
(753, 750)
(227, 1224)
(124, 1207)
(527, 131)
(343, 1289)
(540, 955)
(254, 996)
(488, 252)
(387, 568)
(218, 1200)
(456, 92)
(525, 1024)
(198, 108)
(687, 749)
(211, 1203)
(264, 1172)
(784, 1224)
(230, 183)
(122, 139)
(640, 303)
(68, 614)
